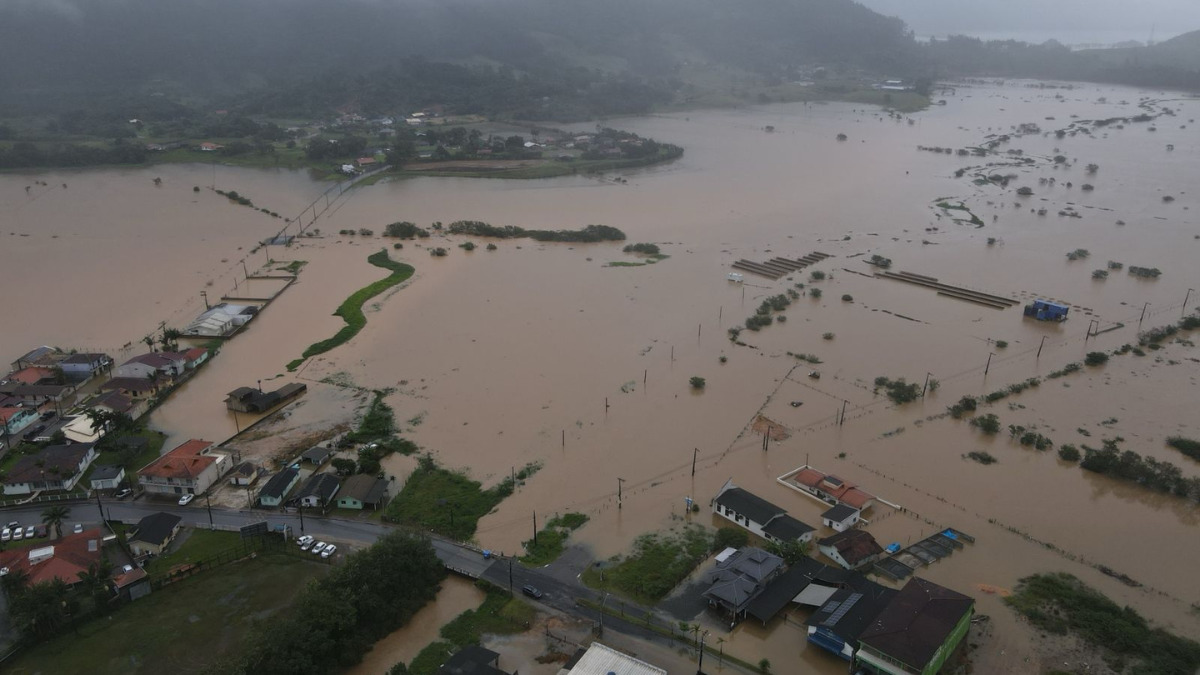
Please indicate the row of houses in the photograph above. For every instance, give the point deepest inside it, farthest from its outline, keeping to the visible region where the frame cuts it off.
(324, 491)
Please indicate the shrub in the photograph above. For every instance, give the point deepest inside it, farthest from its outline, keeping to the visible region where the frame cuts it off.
(437, 252)
(1069, 453)
(1187, 446)
(816, 275)
(697, 382)
(397, 246)
(730, 537)
(645, 249)
(815, 293)
(404, 230)
(988, 424)
(966, 404)
(982, 457)
(1096, 358)
(467, 246)
(899, 391)
(491, 246)
(827, 336)
(847, 298)
(1001, 344)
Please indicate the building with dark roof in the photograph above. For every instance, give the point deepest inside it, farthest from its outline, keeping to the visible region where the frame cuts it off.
(851, 549)
(741, 578)
(361, 491)
(917, 632)
(841, 517)
(251, 400)
(154, 533)
(472, 660)
(838, 623)
(317, 455)
(758, 515)
(57, 467)
(106, 476)
(318, 490)
(278, 486)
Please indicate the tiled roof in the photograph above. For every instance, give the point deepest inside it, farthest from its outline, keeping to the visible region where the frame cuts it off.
(185, 461)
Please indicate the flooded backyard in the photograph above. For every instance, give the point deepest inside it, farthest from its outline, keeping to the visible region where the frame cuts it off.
(541, 352)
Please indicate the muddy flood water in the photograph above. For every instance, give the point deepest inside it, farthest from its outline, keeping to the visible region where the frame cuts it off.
(501, 358)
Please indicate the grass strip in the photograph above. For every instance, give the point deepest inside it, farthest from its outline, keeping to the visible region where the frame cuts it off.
(551, 541)
(443, 501)
(499, 614)
(1062, 604)
(351, 309)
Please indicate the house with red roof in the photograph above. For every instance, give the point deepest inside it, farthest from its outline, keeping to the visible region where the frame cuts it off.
(194, 357)
(14, 419)
(33, 375)
(190, 468)
(65, 559)
(830, 488)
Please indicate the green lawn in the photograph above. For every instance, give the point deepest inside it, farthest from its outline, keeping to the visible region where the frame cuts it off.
(444, 501)
(183, 628)
(199, 545)
(154, 443)
(657, 564)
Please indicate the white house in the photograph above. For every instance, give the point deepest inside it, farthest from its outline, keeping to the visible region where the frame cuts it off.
(84, 365)
(107, 477)
(188, 469)
(168, 364)
(758, 515)
(840, 517)
(318, 490)
(80, 430)
(58, 467)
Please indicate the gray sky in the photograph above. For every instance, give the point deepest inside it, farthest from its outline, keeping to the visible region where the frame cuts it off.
(1070, 21)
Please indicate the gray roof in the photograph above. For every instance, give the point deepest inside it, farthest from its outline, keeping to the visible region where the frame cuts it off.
(780, 592)
(849, 612)
(106, 472)
(156, 528)
(317, 454)
(753, 563)
(839, 513)
(364, 488)
(732, 590)
(278, 486)
(471, 660)
(320, 485)
(752, 506)
(786, 528)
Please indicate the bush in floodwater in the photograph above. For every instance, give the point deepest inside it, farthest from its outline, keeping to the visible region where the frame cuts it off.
(1001, 344)
(827, 336)
(815, 293)
(645, 249)
(467, 246)
(1187, 446)
(899, 390)
(988, 424)
(697, 382)
(847, 298)
(1099, 274)
(1096, 358)
(491, 247)
(365, 232)
(723, 358)
(438, 252)
(966, 404)
(1078, 254)
(195, 188)
(404, 230)
(816, 275)
(981, 457)
(734, 332)
(1069, 453)
(397, 246)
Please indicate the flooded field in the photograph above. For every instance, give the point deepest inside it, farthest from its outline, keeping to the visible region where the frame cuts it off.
(542, 352)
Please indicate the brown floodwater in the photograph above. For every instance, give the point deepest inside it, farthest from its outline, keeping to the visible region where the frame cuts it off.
(501, 358)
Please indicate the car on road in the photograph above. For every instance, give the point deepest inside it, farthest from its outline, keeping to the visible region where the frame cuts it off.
(186, 499)
(123, 493)
(305, 539)
(532, 592)
(29, 532)
(13, 525)
(329, 550)
(318, 547)
(78, 528)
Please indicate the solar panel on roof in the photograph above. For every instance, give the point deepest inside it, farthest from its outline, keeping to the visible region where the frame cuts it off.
(841, 611)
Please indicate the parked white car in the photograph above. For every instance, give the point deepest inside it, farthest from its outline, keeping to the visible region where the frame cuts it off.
(186, 499)
(29, 532)
(78, 528)
(5, 534)
(306, 545)
(319, 546)
(329, 550)
(304, 539)
(18, 533)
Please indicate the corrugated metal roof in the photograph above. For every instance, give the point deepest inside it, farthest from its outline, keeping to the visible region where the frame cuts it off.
(603, 660)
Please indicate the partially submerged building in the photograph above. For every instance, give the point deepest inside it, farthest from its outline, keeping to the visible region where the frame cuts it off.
(917, 632)
(851, 549)
(741, 578)
(758, 515)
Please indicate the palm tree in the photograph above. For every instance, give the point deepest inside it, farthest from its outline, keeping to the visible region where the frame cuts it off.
(54, 516)
(95, 581)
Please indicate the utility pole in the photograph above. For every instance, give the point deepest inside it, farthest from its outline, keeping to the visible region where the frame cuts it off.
(302, 517)
(695, 453)
(619, 482)
(208, 505)
(1143, 314)
(989, 363)
(510, 576)
(204, 294)
(1042, 344)
(535, 528)
(843, 418)
(1185, 299)
(99, 506)
(700, 665)
(926, 387)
